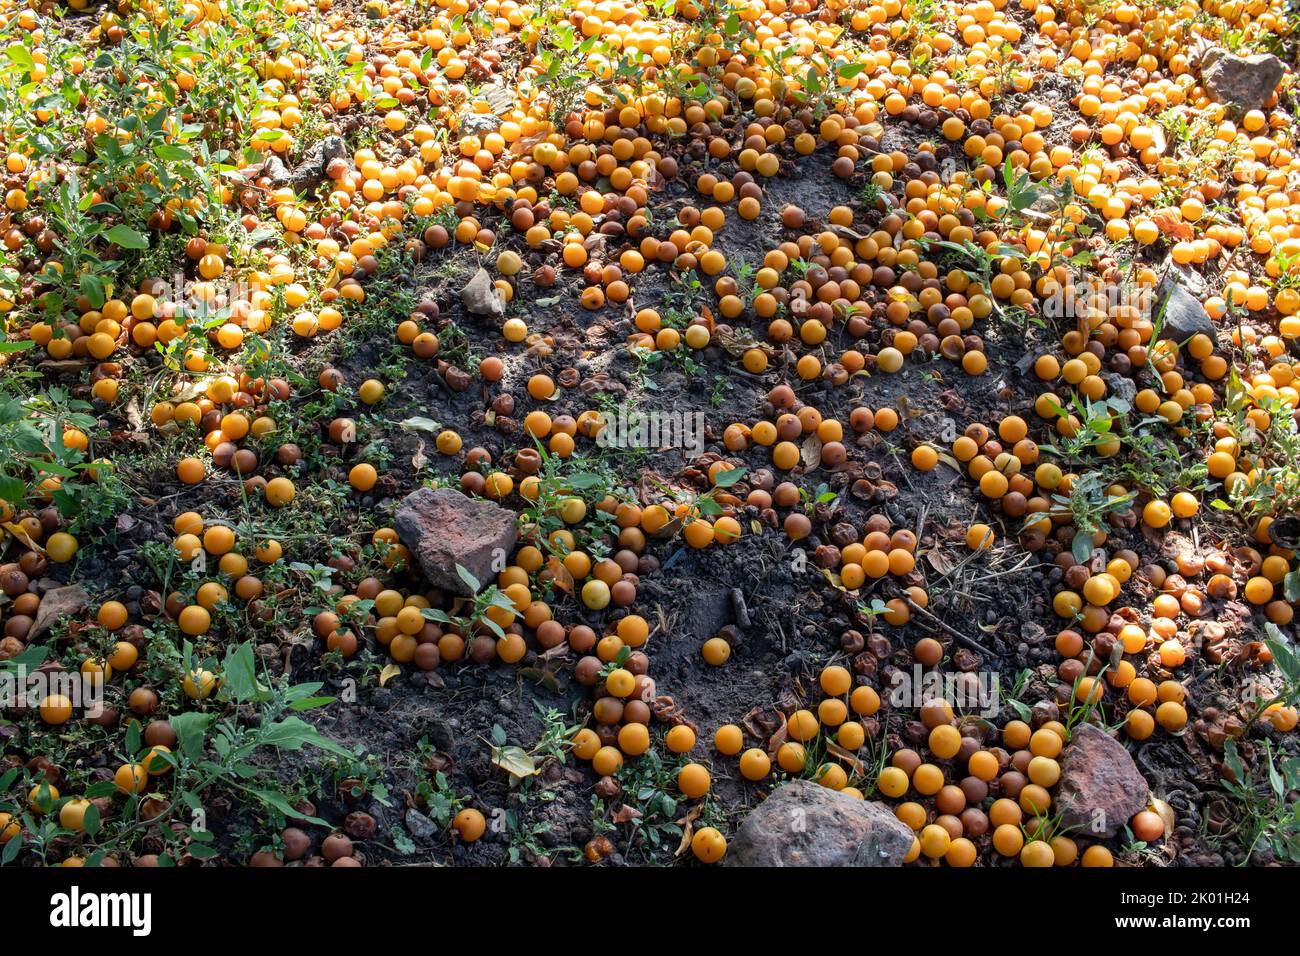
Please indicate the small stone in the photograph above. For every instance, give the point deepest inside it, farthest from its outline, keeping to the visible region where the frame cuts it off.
(420, 826)
(1182, 314)
(1120, 386)
(479, 124)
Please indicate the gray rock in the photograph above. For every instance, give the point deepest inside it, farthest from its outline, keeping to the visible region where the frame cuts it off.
(1185, 275)
(1120, 386)
(478, 124)
(1246, 82)
(443, 529)
(420, 826)
(1101, 788)
(308, 173)
(440, 733)
(803, 824)
(1182, 314)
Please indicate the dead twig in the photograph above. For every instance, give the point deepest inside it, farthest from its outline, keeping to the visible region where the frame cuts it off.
(969, 642)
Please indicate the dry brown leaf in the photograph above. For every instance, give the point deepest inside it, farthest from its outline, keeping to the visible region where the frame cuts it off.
(835, 750)
(1170, 221)
(17, 531)
(811, 452)
(560, 574)
(626, 814)
(687, 823)
(781, 735)
(58, 603)
(939, 560)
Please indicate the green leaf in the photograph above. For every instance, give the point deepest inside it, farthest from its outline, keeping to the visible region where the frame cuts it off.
(21, 56)
(92, 287)
(311, 703)
(19, 345)
(239, 675)
(293, 733)
(91, 820)
(12, 489)
(191, 728)
(10, 851)
(1283, 655)
(1274, 778)
(1081, 547)
(126, 237)
(470, 581)
(172, 153)
(728, 478)
(277, 802)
